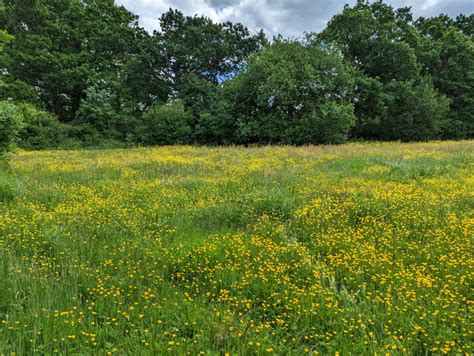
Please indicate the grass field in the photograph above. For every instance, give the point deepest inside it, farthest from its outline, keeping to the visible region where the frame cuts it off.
(360, 248)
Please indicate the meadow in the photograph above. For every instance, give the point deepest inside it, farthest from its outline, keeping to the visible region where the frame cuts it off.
(363, 248)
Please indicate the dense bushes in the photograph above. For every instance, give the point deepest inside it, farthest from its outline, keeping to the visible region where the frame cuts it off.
(27, 127)
(41, 129)
(10, 126)
(101, 120)
(415, 112)
(166, 124)
(407, 111)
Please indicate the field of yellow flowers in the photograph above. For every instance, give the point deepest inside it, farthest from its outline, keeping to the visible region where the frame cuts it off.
(360, 248)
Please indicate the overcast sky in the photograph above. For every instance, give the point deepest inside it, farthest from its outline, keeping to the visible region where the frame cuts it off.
(288, 17)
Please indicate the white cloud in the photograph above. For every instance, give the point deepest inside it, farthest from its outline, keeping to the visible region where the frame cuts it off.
(288, 17)
(429, 4)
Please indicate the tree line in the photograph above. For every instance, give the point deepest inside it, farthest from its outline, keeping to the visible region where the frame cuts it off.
(84, 73)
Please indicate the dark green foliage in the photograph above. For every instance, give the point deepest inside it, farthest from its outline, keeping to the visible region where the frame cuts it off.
(197, 95)
(415, 112)
(10, 126)
(196, 45)
(143, 80)
(395, 97)
(374, 73)
(18, 91)
(166, 124)
(447, 55)
(218, 125)
(406, 111)
(293, 94)
(99, 112)
(210, 106)
(91, 65)
(329, 123)
(61, 46)
(465, 23)
(11, 88)
(374, 37)
(41, 130)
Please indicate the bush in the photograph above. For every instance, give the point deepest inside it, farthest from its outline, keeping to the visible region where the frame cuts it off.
(41, 129)
(399, 110)
(329, 123)
(10, 126)
(452, 129)
(166, 124)
(217, 126)
(104, 116)
(415, 112)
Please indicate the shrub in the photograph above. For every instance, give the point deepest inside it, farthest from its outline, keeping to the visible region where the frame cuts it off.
(329, 123)
(166, 124)
(453, 129)
(217, 126)
(104, 116)
(41, 129)
(415, 112)
(399, 110)
(10, 126)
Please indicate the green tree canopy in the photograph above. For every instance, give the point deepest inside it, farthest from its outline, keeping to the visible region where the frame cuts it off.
(447, 55)
(293, 94)
(196, 45)
(381, 42)
(62, 47)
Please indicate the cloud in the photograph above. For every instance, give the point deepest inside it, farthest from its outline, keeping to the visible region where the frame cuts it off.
(288, 17)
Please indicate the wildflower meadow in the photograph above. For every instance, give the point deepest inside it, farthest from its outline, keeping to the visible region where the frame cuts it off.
(363, 248)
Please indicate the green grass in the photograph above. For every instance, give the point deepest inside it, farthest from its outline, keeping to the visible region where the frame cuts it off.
(360, 248)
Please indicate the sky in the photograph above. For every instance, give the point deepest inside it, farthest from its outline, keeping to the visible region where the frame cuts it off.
(286, 17)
